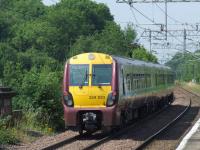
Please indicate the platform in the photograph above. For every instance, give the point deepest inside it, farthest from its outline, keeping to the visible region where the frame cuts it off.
(192, 139)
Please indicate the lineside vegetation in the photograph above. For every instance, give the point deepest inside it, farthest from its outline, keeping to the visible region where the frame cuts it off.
(35, 41)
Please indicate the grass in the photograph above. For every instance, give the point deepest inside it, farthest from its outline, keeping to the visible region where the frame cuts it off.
(192, 86)
(8, 136)
(26, 130)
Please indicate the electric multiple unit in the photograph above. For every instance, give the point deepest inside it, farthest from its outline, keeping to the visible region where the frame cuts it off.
(101, 91)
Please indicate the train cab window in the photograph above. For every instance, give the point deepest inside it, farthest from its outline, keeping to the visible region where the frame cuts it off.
(102, 74)
(79, 75)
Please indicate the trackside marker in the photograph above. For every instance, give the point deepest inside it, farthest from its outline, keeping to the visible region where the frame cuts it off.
(188, 136)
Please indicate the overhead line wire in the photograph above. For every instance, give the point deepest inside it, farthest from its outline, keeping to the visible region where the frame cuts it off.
(143, 14)
(175, 20)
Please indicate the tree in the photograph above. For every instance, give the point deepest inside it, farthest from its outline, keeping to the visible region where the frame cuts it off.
(35, 41)
(142, 54)
(111, 40)
(7, 53)
(186, 66)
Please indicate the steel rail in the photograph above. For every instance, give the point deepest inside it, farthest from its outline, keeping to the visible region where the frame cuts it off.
(151, 138)
(195, 94)
(99, 142)
(121, 132)
(125, 130)
(64, 142)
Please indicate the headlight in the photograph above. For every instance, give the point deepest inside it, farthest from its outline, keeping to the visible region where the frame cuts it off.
(68, 99)
(110, 100)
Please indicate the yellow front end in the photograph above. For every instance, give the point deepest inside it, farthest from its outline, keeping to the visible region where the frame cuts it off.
(90, 79)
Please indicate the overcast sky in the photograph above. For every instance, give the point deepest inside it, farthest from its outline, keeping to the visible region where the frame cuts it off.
(179, 13)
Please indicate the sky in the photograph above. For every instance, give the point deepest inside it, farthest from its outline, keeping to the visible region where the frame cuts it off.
(178, 14)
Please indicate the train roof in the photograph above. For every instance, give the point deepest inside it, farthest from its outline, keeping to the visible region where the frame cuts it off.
(120, 60)
(125, 60)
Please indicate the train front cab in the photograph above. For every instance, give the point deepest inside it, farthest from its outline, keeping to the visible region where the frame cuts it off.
(90, 92)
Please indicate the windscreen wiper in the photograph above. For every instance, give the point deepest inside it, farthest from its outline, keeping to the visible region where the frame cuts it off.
(84, 79)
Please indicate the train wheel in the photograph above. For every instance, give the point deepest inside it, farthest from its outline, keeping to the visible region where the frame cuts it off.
(122, 121)
(106, 129)
(80, 130)
(115, 129)
(135, 114)
(66, 128)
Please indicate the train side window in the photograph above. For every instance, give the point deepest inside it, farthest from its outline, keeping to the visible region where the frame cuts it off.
(137, 85)
(134, 84)
(150, 84)
(128, 82)
(146, 80)
(143, 81)
(140, 79)
(156, 79)
(137, 81)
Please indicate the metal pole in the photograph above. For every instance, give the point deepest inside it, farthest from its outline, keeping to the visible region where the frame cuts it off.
(193, 71)
(184, 42)
(150, 40)
(166, 19)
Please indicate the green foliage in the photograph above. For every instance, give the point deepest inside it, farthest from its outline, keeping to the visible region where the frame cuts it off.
(33, 58)
(5, 121)
(29, 121)
(112, 40)
(186, 66)
(142, 54)
(23, 9)
(93, 16)
(13, 75)
(41, 91)
(35, 41)
(7, 136)
(7, 53)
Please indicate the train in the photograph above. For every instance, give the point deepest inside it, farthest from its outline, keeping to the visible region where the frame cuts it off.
(102, 92)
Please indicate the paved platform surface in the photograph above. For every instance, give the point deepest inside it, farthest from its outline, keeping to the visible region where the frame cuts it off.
(192, 140)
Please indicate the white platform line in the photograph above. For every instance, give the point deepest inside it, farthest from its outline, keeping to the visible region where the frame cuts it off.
(188, 136)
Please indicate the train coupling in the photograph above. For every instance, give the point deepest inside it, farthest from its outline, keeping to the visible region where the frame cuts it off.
(90, 121)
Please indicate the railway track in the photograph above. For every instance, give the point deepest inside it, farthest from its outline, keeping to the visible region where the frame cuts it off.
(65, 142)
(106, 139)
(148, 140)
(190, 92)
(61, 143)
(101, 140)
(184, 125)
(121, 132)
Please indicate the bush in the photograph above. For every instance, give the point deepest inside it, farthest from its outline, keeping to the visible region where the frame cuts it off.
(5, 121)
(42, 91)
(39, 91)
(7, 136)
